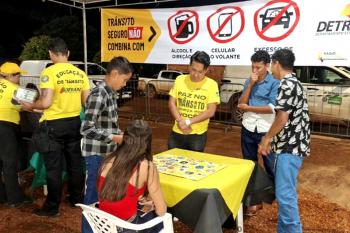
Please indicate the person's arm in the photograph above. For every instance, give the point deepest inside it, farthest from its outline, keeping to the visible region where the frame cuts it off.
(155, 191)
(94, 106)
(257, 109)
(244, 98)
(84, 95)
(267, 109)
(278, 124)
(173, 109)
(44, 101)
(213, 100)
(178, 118)
(86, 91)
(210, 112)
(284, 108)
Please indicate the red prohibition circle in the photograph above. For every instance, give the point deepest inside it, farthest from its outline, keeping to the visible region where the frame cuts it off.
(173, 36)
(213, 35)
(275, 20)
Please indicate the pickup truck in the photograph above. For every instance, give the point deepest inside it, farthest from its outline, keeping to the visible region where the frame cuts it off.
(160, 83)
(327, 89)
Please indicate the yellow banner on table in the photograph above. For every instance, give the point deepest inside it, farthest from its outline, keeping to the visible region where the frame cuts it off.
(129, 33)
(231, 181)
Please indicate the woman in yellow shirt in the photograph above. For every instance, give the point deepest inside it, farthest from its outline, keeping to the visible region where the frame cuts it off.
(10, 190)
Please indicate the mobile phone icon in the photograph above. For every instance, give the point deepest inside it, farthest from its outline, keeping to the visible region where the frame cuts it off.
(227, 29)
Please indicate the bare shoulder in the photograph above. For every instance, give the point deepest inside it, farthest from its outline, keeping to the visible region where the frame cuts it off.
(147, 167)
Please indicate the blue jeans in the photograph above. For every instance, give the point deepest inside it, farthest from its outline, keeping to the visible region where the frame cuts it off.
(194, 142)
(145, 218)
(93, 163)
(249, 145)
(287, 169)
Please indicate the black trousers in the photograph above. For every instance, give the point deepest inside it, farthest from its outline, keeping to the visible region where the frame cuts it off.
(194, 142)
(10, 190)
(65, 134)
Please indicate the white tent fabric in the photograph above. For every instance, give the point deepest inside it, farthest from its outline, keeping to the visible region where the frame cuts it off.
(96, 4)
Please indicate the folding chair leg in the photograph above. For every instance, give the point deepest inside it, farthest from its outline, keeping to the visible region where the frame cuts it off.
(239, 219)
(45, 190)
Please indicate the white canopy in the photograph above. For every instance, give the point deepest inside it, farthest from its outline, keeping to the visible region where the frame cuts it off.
(96, 4)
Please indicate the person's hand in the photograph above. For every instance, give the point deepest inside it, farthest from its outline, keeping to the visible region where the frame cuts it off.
(146, 203)
(182, 124)
(254, 77)
(118, 138)
(186, 129)
(243, 107)
(264, 146)
(26, 106)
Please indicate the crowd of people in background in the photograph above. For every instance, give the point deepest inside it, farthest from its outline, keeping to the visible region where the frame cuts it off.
(113, 167)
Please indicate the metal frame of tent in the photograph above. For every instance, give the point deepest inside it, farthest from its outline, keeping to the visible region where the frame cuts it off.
(97, 4)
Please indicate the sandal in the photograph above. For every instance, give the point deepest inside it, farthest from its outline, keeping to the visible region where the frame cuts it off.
(252, 210)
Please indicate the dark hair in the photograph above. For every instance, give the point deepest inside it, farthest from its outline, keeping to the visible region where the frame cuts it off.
(121, 64)
(285, 57)
(136, 146)
(58, 45)
(201, 57)
(261, 56)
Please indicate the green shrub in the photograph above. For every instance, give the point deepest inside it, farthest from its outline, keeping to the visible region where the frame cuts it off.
(36, 48)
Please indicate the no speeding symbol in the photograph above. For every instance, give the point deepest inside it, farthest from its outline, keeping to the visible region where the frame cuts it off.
(276, 20)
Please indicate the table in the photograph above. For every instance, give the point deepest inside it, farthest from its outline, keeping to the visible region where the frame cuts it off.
(205, 204)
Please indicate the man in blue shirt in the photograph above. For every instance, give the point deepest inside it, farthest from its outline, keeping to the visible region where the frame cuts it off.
(258, 102)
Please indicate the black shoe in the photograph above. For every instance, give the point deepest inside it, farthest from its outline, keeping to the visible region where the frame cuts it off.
(45, 212)
(71, 202)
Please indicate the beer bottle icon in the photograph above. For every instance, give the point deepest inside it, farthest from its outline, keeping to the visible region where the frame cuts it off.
(188, 27)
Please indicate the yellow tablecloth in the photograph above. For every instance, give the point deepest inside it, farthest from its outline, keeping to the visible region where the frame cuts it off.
(231, 181)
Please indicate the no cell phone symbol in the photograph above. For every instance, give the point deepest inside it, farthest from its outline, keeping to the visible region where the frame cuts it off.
(183, 26)
(227, 27)
(225, 24)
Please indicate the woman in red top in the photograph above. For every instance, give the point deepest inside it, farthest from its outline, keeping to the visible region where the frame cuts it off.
(128, 174)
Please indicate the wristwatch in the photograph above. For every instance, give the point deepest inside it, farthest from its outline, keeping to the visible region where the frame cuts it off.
(187, 122)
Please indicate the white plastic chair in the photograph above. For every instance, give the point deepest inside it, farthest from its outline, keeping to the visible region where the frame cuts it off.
(102, 222)
(239, 219)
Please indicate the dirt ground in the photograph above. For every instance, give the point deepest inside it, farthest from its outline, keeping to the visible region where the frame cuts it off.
(324, 190)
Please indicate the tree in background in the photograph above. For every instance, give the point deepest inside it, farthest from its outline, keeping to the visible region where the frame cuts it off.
(70, 28)
(36, 48)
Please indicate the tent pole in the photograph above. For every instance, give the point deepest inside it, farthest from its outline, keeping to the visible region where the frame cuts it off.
(85, 38)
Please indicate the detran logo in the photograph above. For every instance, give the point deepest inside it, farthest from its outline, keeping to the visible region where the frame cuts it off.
(335, 27)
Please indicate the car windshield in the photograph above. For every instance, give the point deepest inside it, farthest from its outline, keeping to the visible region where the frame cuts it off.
(272, 12)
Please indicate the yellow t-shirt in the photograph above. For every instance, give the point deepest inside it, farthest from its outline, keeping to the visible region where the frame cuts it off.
(67, 82)
(192, 98)
(8, 111)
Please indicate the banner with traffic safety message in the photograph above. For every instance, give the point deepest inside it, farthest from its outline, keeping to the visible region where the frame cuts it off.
(319, 34)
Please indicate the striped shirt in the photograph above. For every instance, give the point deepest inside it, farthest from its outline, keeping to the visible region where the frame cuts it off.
(101, 122)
